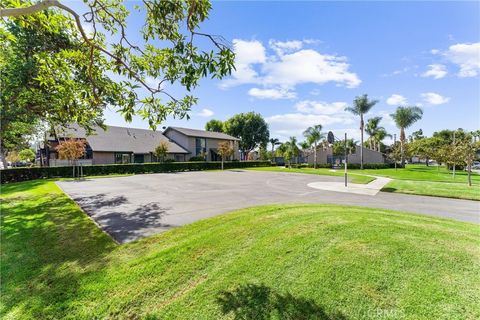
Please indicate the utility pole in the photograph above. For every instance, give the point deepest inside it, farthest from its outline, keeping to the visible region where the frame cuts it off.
(345, 159)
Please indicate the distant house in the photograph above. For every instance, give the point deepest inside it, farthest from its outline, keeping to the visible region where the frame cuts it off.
(200, 143)
(118, 145)
(326, 156)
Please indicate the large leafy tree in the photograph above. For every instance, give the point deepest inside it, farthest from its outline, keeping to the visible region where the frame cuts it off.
(404, 117)
(314, 135)
(251, 128)
(361, 106)
(214, 125)
(33, 92)
(67, 74)
(426, 148)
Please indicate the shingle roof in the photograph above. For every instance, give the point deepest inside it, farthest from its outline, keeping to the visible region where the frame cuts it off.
(120, 139)
(202, 133)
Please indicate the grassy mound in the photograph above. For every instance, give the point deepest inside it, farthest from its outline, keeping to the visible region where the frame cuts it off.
(284, 262)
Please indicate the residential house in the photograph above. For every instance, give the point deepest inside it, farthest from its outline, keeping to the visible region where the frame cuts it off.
(117, 145)
(326, 156)
(200, 143)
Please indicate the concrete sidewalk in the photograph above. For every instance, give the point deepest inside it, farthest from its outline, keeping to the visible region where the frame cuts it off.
(370, 189)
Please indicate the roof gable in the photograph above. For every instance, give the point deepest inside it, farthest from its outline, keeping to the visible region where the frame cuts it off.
(120, 139)
(202, 133)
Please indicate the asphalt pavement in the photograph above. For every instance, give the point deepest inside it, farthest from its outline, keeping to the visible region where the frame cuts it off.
(132, 207)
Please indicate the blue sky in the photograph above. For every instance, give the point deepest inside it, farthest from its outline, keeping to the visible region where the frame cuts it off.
(301, 63)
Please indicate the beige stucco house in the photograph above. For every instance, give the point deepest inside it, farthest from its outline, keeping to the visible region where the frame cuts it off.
(202, 143)
(326, 156)
(117, 145)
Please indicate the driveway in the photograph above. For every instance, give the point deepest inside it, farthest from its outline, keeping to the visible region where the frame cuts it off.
(132, 207)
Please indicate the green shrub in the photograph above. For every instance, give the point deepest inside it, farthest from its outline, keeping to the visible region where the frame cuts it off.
(23, 174)
(197, 159)
(350, 165)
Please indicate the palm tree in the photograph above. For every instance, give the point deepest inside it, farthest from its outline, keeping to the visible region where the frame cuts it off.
(292, 145)
(380, 135)
(361, 106)
(371, 129)
(314, 135)
(404, 117)
(273, 141)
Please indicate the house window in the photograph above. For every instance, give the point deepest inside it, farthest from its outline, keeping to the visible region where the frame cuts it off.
(200, 147)
(121, 158)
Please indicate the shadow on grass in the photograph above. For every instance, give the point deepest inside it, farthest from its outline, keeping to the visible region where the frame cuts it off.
(260, 302)
(51, 245)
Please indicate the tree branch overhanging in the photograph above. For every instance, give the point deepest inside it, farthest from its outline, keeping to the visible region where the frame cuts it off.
(45, 4)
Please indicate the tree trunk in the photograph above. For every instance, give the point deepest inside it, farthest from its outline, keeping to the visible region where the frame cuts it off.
(315, 156)
(361, 141)
(4, 160)
(402, 140)
(469, 170)
(222, 162)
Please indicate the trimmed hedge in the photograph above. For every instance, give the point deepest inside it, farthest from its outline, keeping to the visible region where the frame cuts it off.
(24, 174)
(350, 165)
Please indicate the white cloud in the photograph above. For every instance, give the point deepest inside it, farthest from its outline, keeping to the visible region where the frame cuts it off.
(289, 66)
(467, 57)
(434, 51)
(205, 113)
(309, 113)
(247, 54)
(437, 71)
(396, 99)
(434, 98)
(280, 47)
(386, 118)
(309, 66)
(320, 107)
(273, 94)
(293, 124)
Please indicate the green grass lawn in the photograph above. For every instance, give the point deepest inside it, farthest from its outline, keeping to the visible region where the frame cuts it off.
(280, 262)
(414, 179)
(354, 178)
(438, 189)
(424, 173)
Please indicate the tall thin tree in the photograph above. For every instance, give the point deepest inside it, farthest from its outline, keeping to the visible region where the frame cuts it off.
(404, 117)
(361, 106)
(314, 135)
(371, 128)
(274, 142)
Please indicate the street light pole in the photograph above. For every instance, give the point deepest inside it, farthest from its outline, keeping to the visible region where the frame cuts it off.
(345, 159)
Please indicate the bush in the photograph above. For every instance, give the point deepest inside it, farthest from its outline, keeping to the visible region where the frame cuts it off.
(23, 174)
(197, 159)
(350, 165)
